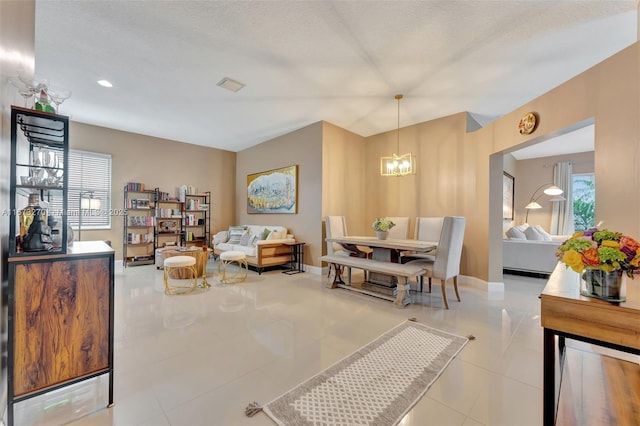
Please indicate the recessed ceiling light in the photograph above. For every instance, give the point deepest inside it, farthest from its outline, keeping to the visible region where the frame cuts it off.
(230, 84)
(105, 83)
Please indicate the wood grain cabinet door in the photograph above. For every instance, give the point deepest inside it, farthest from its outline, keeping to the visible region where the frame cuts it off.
(61, 319)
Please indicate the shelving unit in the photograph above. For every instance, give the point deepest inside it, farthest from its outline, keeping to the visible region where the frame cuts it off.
(196, 219)
(139, 225)
(169, 214)
(156, 219)
(39, 159)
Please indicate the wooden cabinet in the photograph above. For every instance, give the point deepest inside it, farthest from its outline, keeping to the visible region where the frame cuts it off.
(139, 225)
(60, 328)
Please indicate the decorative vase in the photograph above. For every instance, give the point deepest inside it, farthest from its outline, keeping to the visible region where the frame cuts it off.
(603, 285)
(382, 235)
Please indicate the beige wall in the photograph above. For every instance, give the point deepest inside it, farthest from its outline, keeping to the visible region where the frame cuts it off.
(158, 163)
(609, 94)
(531, 174)
(445, 179)
(304, 148)
(343, 178)
(460, 173)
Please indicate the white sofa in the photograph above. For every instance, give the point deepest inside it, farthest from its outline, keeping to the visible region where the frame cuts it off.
(534, 256)
(529, 256)
(261, 252)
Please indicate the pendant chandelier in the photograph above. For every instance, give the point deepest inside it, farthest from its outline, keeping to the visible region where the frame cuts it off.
(398, 165)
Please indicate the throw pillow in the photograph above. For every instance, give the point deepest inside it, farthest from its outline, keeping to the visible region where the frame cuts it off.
(274, 235)
(253, 240)
(545, 235)
(244, 240)
(532, 234)
(235, 234)
(265, 234)
(515, 233)
(220, 237)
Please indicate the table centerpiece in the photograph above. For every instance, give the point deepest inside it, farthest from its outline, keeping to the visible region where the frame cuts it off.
(382, 225)
(601, 256)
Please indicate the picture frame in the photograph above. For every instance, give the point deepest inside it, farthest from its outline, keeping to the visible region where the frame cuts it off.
(273, 191)
(508, 195)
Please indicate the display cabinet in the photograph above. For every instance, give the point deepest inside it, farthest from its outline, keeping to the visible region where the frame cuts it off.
(38, 182)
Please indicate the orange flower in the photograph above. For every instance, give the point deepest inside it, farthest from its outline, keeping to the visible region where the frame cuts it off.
(590, 257)
(629, 242)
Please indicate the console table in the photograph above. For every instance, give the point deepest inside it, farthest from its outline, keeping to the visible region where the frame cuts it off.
(565, 313)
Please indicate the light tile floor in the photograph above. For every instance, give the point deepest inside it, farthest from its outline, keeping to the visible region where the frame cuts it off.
(199, 359)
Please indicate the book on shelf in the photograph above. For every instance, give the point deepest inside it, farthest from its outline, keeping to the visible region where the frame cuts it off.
(183, 190)
(138, 203)
(135, 186)
(165, 196)
(141, 221)
(134, 238)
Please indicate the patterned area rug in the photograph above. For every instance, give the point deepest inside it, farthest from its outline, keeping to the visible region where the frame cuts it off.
(376, 385)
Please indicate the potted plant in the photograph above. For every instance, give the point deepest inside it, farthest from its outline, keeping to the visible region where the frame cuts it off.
(601, 256)
(382, 225)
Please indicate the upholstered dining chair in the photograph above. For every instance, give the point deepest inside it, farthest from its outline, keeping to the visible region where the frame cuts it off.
(427, 229)
(446, 264)
(401, 230)
(336, 226)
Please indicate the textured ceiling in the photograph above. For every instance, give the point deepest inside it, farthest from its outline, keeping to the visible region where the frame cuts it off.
(303, 62)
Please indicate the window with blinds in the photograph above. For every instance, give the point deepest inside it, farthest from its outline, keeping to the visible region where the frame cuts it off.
(89, 179)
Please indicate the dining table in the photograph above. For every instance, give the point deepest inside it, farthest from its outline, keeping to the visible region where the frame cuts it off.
(387, 250)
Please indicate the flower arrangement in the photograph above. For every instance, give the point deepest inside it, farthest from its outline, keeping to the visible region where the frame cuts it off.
(600, 249)
(382, 224)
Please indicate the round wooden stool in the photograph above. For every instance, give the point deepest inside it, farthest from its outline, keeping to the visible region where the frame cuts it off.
(229, 257)
(180, 263)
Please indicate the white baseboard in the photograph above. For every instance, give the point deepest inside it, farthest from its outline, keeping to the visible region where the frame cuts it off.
(315, 270)
(480, 284)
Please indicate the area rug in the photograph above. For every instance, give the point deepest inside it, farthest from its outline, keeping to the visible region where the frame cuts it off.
(376, 385)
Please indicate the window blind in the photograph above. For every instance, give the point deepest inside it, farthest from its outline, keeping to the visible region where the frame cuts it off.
(89, 175)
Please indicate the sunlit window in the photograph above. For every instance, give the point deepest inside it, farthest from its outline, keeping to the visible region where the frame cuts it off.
(584, 201)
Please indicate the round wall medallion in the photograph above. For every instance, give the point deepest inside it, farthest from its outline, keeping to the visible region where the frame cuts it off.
(527, 123)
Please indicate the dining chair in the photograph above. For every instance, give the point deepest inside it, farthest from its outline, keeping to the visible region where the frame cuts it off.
(336, 226)
(401, 230)
(446, 264)
(427, 229)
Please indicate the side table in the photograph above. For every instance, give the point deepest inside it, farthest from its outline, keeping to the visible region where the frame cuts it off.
(297, 258)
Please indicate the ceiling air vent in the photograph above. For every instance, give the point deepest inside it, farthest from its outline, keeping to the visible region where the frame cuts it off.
(230, 84)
